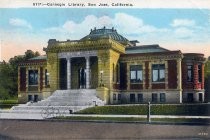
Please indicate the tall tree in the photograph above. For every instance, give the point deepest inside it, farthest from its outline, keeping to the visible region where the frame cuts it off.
(9, 74)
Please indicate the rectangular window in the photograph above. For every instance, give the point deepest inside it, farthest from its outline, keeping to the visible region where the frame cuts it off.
(136, 74)
(158, 72)
(190, 97)
(189, 73)
(132, 98)
(154, 97)
(33, 77)
(46, 78)
(200, 97)
(200, 73)
(114, 96)
(119, 96)
(162, 97)
(30, 98)
(140, 98)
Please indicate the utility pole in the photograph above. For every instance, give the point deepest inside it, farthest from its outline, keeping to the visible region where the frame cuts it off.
(148, 113)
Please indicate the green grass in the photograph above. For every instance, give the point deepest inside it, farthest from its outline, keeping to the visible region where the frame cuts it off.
(161, 109)
(11, 101)
(7, 104)
(80, 118)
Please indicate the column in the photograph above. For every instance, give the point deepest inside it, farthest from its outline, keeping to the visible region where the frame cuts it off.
(179, 74)
(87, 72)
(68, 73)
(179, 78)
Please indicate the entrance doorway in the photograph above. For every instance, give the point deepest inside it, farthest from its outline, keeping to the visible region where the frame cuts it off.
(82, 78)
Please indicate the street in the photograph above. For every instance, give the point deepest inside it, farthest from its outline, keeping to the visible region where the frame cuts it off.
(48, 130)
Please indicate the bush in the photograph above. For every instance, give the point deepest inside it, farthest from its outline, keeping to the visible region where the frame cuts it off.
(182, 109)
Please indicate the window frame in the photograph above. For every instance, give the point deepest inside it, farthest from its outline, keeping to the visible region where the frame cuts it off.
(119, 96)
(162, 97)
(160, 69)
(140, 100)
(137, 70)
(132, 100)
(191, 77)
(35, 77)
(154, 99)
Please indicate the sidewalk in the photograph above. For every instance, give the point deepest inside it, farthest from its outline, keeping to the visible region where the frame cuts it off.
(14, 115)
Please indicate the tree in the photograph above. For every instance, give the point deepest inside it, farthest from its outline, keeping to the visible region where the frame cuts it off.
(6, 81)
(9, 74)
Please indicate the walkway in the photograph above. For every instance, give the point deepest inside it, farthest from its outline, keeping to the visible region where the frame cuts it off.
(37, 116)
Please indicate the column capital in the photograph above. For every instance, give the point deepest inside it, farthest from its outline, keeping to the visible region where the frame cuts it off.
(68, 58)
(87, 57)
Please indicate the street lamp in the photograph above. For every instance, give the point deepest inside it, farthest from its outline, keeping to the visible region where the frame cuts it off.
(101, 81)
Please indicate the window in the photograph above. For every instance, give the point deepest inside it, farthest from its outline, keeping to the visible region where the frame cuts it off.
(136, 73)
(35, 98)
(189, 73)
(46, 78)
(200, 97)
(114, 96)
(162, 97)
(200, 73)
(33, 77)
(119, 96)
(190, 97)
(158, 73)
(132, 98)
(154, 97)
(30, 98)
(140, 98)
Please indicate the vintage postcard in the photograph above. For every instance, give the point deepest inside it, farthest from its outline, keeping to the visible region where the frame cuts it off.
(129, 69)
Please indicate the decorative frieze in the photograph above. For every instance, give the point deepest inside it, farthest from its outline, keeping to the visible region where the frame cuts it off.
(77, 54)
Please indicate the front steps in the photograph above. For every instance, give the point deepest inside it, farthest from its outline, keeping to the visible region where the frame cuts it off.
(64, 101)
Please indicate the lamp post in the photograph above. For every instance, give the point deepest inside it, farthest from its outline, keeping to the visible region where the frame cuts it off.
(148, 113)
(101, 81)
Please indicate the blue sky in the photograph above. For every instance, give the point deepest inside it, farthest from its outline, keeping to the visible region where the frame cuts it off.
(175, 29)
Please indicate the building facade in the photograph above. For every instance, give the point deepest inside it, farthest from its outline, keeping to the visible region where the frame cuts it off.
(120, 71)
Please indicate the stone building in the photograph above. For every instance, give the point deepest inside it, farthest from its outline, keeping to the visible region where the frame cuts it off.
(118, 69)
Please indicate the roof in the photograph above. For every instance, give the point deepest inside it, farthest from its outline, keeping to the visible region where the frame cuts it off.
(41, 57)
(177, 52)
(105, 33)
(145, 49)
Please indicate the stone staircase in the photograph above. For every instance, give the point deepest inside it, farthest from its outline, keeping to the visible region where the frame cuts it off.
(63, 100)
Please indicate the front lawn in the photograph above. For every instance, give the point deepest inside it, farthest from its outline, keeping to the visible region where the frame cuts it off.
(156, 109)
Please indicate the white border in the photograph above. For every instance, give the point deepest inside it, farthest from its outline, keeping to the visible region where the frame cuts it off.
(136, 3)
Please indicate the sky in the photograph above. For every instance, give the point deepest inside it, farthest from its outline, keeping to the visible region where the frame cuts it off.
(21, 29)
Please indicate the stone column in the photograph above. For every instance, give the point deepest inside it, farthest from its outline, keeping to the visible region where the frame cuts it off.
(87, 72)
(179, 78)
(68, 73)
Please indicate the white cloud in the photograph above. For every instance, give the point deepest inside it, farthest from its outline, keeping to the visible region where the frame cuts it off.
(19, 23)
(183, 32)
(182, 22)
(126, 24)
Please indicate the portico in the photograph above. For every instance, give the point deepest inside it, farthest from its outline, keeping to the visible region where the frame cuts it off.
(79, 65)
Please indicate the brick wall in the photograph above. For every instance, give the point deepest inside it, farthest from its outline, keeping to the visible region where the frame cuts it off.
(158, 85)
(136, 86)
(172, 74)
(22, 79)
(147, 74)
